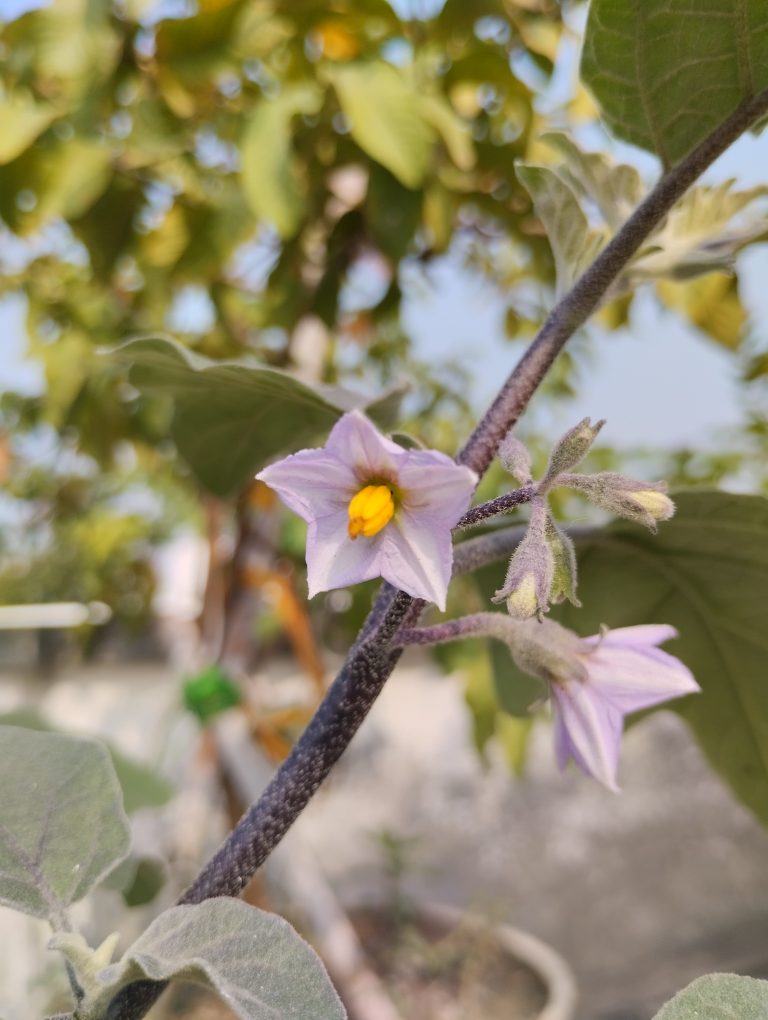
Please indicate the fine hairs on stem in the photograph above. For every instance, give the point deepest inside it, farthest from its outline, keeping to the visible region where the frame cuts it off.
(371, 660)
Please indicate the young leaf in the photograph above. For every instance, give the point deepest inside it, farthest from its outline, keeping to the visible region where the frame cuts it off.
(231, 417)
(703, 232)
(385, 118)
(574, 244)
(719, 996)
(667, 72)
(705, 573)
(255, 961)
(62, 824)
(615, 188)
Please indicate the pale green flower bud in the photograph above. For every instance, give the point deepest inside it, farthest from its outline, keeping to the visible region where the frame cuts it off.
(644, 502)
(515, 458)
(522, 601)
(570, 450)
(657, 503)
(529, 576)
(564, 559)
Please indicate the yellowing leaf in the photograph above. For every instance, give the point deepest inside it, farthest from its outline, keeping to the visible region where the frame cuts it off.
(271, 178)
(711, 302)
(385, 119)
(21, 121)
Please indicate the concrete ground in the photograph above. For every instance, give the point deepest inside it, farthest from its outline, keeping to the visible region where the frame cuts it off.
(641, 892)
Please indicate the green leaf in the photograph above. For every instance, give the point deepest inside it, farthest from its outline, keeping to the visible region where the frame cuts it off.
(385, 118)
(142, 786)
(272, 181)
(72, 177)
(666, 73)
(516, 692)
(231, 417)
(21, 121)
(62, 826)
(706, 573)
(255, 961)
(454, 132)
(615, 188)
(574, 244)
(138, 879)
(719, 997)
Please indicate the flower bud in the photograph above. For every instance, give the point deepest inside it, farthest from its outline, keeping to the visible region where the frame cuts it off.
(656, 502)
(644, 502)
(515, 458)
(570, 450)
(529, 576)
(564, 560)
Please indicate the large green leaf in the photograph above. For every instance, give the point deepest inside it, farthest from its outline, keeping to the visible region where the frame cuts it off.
(230, 417)
(386, 119)
(62, 825)
(706, 573)
(271, 177)
(667, 72)
(141, 785)
(719, 997)
(255, 961)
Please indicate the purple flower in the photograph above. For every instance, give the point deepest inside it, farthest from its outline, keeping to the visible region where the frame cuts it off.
(375, 509)
(613, 674)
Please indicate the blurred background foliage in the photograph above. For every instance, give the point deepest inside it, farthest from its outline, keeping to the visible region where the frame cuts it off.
(261, 180)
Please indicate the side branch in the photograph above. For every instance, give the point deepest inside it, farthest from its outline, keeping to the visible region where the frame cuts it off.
(371, 660)
(584, 297)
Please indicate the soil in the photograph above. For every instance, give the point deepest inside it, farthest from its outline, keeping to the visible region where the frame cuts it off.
(433, 973)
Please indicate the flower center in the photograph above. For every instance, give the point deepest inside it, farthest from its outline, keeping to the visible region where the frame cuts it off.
(370, 510)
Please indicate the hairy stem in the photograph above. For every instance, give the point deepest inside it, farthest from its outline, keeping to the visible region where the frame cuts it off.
(371, 659)
(496, 625)
(498, 545)
(500, 505)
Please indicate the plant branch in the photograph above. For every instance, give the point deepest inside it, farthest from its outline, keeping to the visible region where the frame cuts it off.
(371, 659)
(572, 311)
(501, 505)
(498, 545)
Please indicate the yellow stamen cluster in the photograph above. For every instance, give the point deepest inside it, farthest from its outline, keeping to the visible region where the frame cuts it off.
(370, 510)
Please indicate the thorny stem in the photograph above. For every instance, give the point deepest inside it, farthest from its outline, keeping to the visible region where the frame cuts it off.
(371, 661)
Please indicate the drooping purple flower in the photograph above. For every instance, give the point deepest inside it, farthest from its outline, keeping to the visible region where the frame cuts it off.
(613, 674)
(374, 509)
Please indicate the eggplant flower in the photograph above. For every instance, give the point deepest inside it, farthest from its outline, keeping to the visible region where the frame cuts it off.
(374, 509)
(612, 675)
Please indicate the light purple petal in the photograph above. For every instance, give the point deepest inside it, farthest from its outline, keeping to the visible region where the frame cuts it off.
(431, 481)
(417, 557)
(334, 560)
(588, 730)
(355, 440)
(640, 635)
(631, 678)
(311, 482)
